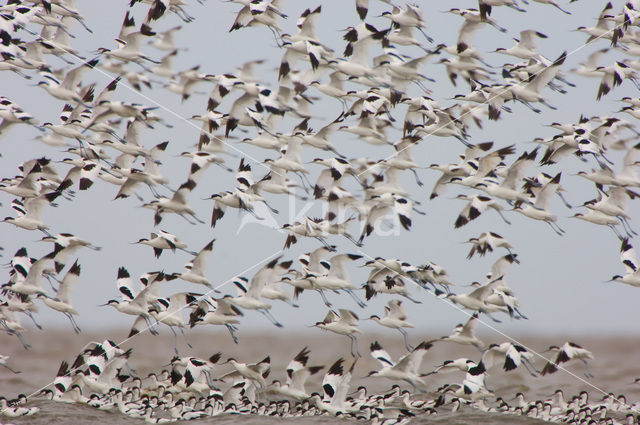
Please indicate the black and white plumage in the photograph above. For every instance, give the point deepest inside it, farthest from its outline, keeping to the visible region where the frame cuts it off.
(297, 374)
(477, 204)
(466, 333)
(164, 240)
(335, 386)
(383, 83)
(344, 323)
(629, 260)
(511, 356)
(250, 297)
(406, 369)
(395, 318)
(568, 351)
(487, 242)
(62, 301)
(211, 311)
(196, 268)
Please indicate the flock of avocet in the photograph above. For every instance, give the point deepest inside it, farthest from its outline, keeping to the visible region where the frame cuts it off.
(94, 124)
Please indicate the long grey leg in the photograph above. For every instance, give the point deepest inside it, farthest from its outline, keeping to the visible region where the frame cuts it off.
(355, 298)
(269, 316)
(415, 173)
(355, 340)
(76, 329)
(503, 217)
(175, 341)
(554, 229)
(12, 370)
(33, 319)
(185, 338)
(406, 339)
(587, 372)
(411, 299)
(232, 332)
(351, 346)
(324, 298)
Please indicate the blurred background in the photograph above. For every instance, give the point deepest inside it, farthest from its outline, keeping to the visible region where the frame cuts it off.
(561, 281)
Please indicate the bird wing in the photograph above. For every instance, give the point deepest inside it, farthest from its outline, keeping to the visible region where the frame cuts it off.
(125, 285)
(199, 262)
(474, 151)
(226, 308)
(628, 257)
(487, 163)
(299, 361)
(481, 292)
(396, 310)
(573, 350)
(178, 300)
(380, 354)
(142, 296)
(527, 40)
(170, 238)
(306, 23)
(124, 160)
(262, 366)
(21, 262)
(72, 77)
(139, 325)
(375, 213)
(244, 177)
(499, 268)
(34, 207)
(474, 208)
(403, 207)
(516, 170)
(410, 362)
(242, 18)
(107, 94)
(361, 49)
(324, 183)
(315, 260)
(128, 188)
(88, 174)
(37, 268)
(330, 317)
(332, 379)
(469, 328)
(338, 269)
(466, 33)
(603, 21)
(297, 365)
(542, 199)
(261, 278)
(66, 286)
(630, 162)
(512, 358)
(543, 78)
(348, 317)
(233, 375)
(299, 377)
(343, 388)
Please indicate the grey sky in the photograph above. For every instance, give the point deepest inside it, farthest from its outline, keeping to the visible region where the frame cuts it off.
(560, 279)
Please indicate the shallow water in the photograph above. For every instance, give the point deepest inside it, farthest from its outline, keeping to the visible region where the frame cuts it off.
(614, 368)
